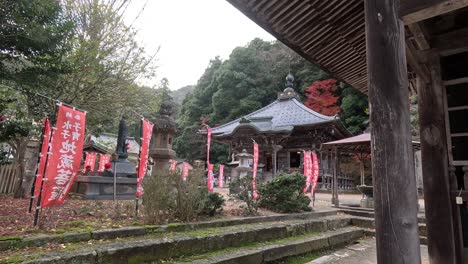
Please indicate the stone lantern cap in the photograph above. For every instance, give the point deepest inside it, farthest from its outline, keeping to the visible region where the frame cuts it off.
(244, 154)
(244, 158)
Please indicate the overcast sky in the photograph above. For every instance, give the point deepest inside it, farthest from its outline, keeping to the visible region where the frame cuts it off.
(190, 33)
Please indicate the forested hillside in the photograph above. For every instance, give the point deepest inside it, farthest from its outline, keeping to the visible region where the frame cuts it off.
(180, 94)
(247, 81)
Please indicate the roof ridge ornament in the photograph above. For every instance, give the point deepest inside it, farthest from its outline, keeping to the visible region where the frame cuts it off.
(289, 81)
(289, 92)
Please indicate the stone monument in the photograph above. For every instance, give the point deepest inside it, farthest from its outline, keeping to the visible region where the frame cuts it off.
(122, 166)
(96, 187)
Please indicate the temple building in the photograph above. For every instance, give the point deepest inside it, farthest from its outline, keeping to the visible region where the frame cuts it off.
(283, 129)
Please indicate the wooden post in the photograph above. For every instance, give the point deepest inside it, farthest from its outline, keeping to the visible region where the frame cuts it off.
(335, 200)
(361, 168)
(438, 207)
(332, 163)
(396, 221)
(274, 159)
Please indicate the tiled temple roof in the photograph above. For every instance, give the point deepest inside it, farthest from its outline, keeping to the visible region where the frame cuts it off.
(280, 116)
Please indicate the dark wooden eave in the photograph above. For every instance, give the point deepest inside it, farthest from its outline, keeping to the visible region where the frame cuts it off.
(331, 33)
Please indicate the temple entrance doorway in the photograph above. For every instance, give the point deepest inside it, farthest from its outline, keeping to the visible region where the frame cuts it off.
(294, 159)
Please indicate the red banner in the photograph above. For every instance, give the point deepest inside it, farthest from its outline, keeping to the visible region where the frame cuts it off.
(64, 156)
(315, 173)
(221, 176)
(185, 170)
(90, 161)
(307, 170)
(255, 195)
(146, 133)
(103, 160)
(210, 179)
(42, 156)
(173, 166)
(208, 143)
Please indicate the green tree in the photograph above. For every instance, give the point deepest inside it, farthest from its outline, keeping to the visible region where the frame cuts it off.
(354, 110)
(81, 53)
(32, 36)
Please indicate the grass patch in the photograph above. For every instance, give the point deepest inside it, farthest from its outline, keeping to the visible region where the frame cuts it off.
(9, 238)
(16, 259)
(301, 259)
(174, 224)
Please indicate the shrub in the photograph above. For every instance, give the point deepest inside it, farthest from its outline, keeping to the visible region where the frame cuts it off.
(284, 194)
(191, 196)
(214, 202)
(168, 198)
(159, 198)
(242, 189)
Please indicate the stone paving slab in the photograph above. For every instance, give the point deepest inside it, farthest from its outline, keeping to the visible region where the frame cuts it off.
(362, 253)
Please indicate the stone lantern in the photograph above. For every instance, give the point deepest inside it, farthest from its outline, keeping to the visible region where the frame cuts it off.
(164, 131)
(244, 167)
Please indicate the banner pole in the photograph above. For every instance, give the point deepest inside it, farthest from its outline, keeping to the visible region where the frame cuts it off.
(313, 200)
(136, 207)
(33, 188)
(138, 168)
(39, 198)
(115, 182)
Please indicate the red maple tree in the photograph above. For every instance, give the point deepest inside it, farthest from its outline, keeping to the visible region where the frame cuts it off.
(322, 98)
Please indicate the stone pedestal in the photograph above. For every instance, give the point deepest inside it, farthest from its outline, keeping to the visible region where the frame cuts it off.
(368, 196)
(102, 188)
(367, 202)
(161, 157)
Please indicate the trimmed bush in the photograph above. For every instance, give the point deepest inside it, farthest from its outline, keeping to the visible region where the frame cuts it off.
(213, 204)
(284, 194)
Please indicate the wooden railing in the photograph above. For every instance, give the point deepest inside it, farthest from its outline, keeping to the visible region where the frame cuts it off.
(7, 178)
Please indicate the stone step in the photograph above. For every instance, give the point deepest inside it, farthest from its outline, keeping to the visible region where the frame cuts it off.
(147, 249)
(274, 251)
(137, 231)
(369, 225)
(369, 213)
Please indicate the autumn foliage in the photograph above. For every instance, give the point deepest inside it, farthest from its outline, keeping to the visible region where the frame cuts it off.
(322, 98)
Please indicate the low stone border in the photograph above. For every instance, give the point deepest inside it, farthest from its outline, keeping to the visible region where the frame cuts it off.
(135, 231)
(147, 250)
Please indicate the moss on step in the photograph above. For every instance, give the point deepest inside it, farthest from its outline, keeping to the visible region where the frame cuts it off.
(9, 238)
(63, 248)
(246, 246)
(301, 259)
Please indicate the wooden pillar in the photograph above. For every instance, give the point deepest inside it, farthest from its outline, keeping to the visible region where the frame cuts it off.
(438, 205)
(361, 168)
(335, 199)
(456, 215)
(465, 176)
(273, 160)
(395, 194)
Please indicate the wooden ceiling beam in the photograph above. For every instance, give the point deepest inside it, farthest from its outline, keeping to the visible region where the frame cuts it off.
(412, 11)
(451, 43)
(419, 36)
(412, 59)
